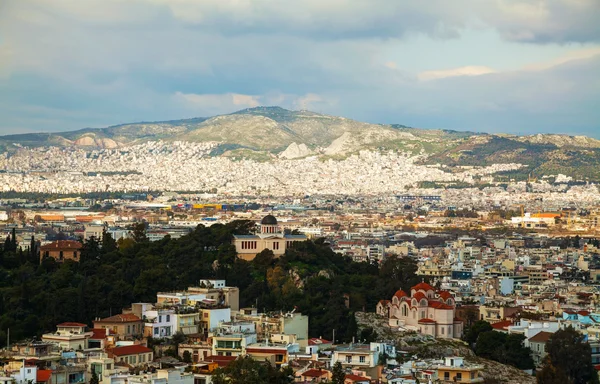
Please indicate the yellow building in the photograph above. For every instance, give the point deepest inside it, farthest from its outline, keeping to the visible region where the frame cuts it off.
(270, 237)
(455, 370)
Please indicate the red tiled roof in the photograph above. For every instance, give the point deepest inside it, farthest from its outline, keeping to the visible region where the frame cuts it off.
(130, 350)
(314, 373)
(384, 302)
(583, 313)
(222, 361)
(356, 378)
(121, 318)
(424, 286)
(70, 324)
(400, 294)
(98, 334)
(439, 305)
(61, 244)
(541, 337)
(445, 295)
(502, 324)
(419, 296)
(426, 320)
(43, 375)
(318, 341)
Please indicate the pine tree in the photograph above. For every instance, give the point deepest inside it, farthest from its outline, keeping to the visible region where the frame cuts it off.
(338, 374)
(14, 240)
(94, 379)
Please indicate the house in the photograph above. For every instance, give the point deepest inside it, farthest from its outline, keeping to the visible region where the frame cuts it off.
(456, 370)
(232, 344)
(104, 367)
(314, 375)
(197, 350)
(271, 237)
(316, 344)
(276, 354)
(69, 336)
(124, 326)
(133, 355)
(426, 310)
(356, 379)
(357, 356)
(537, 344)
(62, 250)
(159, 323)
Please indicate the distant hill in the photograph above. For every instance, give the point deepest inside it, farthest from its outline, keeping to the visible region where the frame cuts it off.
(262, 133)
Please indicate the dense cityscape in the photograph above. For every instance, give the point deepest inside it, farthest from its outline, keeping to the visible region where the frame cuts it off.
(299, 192)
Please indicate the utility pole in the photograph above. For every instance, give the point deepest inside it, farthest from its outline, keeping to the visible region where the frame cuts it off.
(333, 341)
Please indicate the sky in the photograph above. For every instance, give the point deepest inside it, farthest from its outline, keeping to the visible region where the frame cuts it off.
(500, 66)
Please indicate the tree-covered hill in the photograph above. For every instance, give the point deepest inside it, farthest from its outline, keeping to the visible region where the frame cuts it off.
(35, 296)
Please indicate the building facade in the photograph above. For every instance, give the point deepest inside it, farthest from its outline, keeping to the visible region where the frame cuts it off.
(425, 310)
(270, 237)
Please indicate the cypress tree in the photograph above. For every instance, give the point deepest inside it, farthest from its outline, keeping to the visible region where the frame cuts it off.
(14, 240)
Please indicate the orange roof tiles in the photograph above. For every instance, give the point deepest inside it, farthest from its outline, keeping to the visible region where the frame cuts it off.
(61, 244)
(69, 324)
(424, 286)
(121, 318)
(400, 293)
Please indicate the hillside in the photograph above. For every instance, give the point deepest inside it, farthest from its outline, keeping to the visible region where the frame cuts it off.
(265, 133)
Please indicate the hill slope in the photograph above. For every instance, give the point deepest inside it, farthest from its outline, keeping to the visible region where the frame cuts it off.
(263, 133)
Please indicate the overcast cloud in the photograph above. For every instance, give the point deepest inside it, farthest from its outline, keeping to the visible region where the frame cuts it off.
(512, 66)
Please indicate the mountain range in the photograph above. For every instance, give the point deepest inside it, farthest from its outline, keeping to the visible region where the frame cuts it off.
(264, 133)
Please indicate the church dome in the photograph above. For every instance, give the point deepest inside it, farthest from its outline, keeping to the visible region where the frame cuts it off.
(269, 220)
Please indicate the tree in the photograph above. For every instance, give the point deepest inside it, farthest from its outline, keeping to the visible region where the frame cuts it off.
(569, 352)
(477, 328)
(94, 379)
(187, 357)
(338, 375)
(138, 233)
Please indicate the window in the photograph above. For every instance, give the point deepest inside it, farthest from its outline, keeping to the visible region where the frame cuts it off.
(472, 375)
(362, 359)
(108, 367)
(446, 376)
(159, 318)
(442, 330)
(128, 329)
(276, 245)
(459, 376)
(168, 318)
(156, 331)
(348, 359)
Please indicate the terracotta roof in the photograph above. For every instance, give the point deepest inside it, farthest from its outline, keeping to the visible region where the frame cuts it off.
(426, 320)
(583, 313)
(69, 324)
(121, 318)
(61, 244)
(419, 296)
(541, 337)
(314, 373)
(356, 378)
(43, 375)
(439, 305)
(384, 302)
(445, 295)
(502, 324)
(424, 286)
(318, 341)
(222, 361)
(130, 350)
(98, 334)
(400, 293)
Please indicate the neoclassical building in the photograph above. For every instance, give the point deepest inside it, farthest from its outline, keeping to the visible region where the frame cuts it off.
(270, 237)
(425, 310)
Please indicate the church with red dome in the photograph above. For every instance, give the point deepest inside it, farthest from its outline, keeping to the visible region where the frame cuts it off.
(426, 310)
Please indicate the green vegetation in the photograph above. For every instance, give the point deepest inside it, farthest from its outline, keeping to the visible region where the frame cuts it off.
(569, 359)
(35, 296)
(498, 346)
(246, 370)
